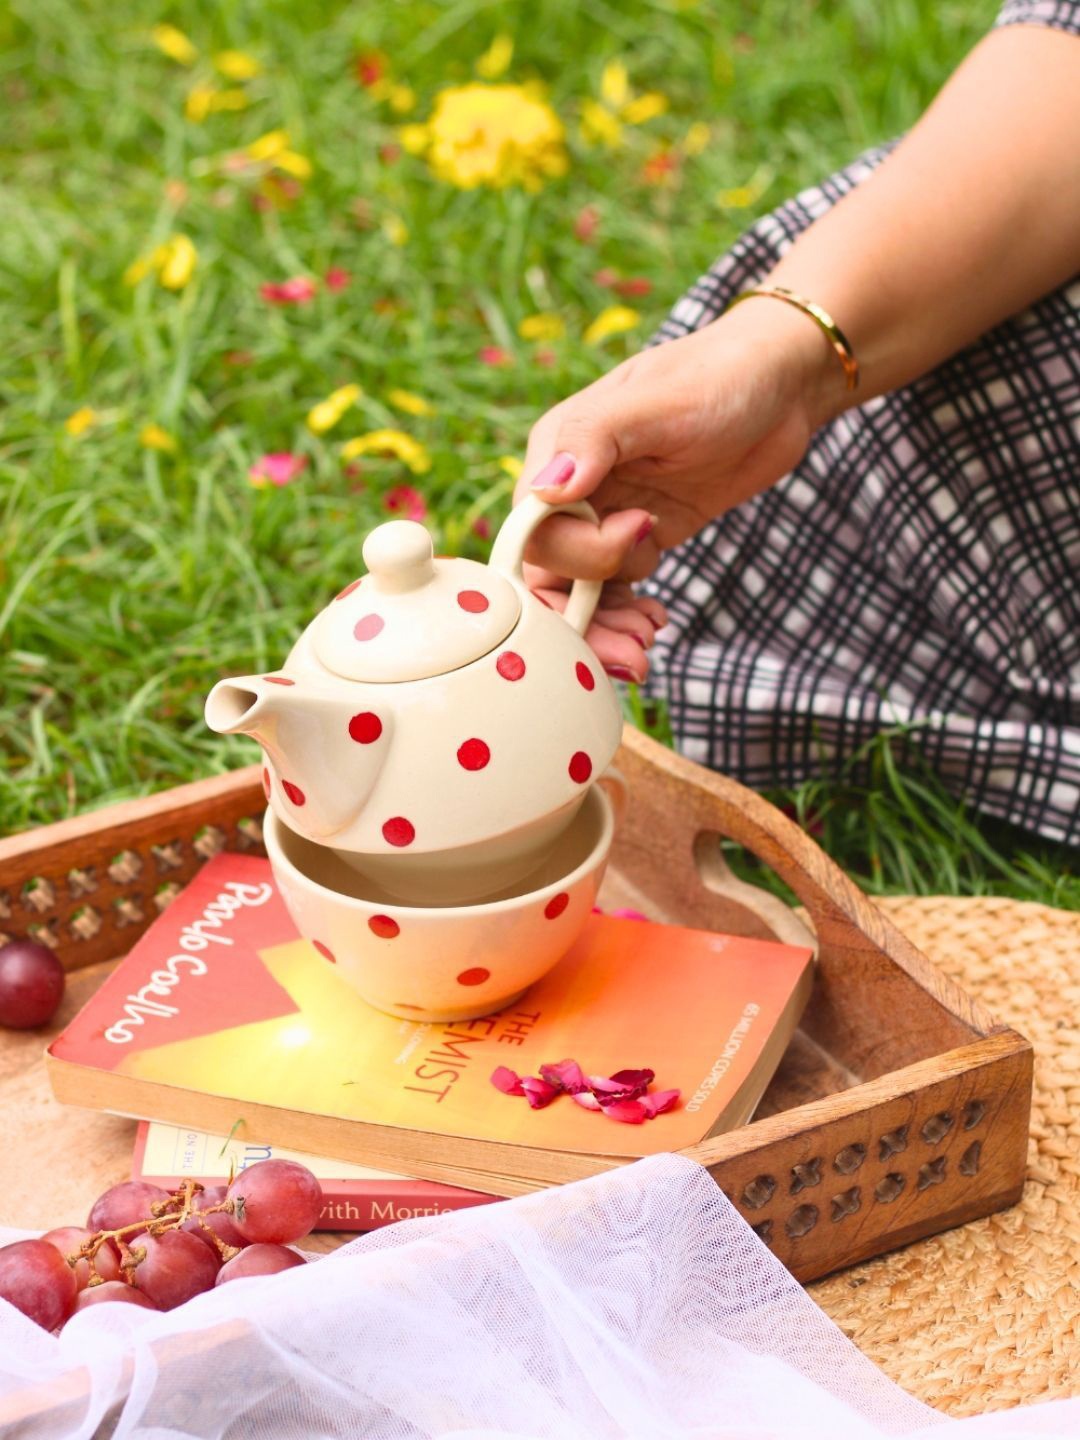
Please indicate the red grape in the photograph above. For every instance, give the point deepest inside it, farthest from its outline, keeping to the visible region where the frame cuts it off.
(123, 1205)
(258, 1260)
(282, 1201)
(176, 1267)
(68, 1239)
(37, 1280)
(113, 1290)
(31, 984)
(221, 1222)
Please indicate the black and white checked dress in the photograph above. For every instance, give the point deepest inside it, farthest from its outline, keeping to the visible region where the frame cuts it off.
(920, 568)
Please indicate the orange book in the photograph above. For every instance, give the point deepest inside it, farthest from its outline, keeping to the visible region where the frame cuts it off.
(221, 1018)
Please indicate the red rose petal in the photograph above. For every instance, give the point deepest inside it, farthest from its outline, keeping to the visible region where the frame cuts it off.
(384, 926)
(324, 951)
(510, 665)
(538, 1092)
(586, 679)
(506, 1080)
(476, 976)
(365, 728)
(368, 627)
(659, 1101)
(278, 680)
(399, 831)
(473, 755)
(472, 601)
(556, 905)
(353, 584)
(295, 794)
(580, 767)
(567, 1075)
(586, 1099)
(630, 1112)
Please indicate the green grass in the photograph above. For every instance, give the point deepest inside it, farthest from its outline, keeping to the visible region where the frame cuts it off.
(129, 580)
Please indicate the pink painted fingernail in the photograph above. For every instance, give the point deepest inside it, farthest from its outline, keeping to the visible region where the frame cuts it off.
(620, 672)
(556, 473)
(648, 526)
(643, 643)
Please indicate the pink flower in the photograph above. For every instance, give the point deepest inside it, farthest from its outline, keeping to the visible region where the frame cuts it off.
(495, 356)
(297, 291)
(546, 358)
(606, 278)
(403, 500)
(587, 223)
(481, 527)
(337, 279)
(277, 468)
(389, 154)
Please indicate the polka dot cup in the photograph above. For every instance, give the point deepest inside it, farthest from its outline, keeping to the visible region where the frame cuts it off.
(443, 963)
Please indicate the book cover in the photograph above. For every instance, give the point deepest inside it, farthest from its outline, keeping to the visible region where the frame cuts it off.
(355, 1196)
(223, 1019)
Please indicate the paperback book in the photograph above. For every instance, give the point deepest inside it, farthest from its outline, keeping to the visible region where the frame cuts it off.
(223, 1019)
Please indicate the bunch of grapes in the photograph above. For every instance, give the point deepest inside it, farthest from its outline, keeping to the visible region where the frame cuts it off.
(147, 1246)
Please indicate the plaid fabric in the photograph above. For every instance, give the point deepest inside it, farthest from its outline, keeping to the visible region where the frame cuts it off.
(919, 568)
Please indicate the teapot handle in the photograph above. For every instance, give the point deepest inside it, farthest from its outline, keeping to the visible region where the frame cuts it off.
(508, 553)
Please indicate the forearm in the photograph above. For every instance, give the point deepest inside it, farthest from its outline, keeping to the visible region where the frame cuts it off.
(974, 216)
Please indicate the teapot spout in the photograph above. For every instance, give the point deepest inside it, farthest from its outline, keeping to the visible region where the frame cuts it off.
(238, 707)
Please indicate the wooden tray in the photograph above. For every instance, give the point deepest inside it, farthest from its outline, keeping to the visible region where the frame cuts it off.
(900, 1108)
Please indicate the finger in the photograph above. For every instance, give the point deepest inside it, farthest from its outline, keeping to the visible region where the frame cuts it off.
(568, 546)
(618, 652)
(627, 620)
(576, 444)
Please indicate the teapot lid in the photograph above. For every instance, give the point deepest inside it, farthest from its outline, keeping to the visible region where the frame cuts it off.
(413, 616)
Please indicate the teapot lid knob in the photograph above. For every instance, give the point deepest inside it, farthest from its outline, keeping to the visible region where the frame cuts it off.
(399, 556)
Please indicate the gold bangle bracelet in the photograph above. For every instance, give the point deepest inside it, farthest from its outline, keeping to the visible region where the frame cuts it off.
(835, 336)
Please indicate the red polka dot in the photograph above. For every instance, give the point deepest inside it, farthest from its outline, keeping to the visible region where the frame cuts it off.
(266, 782)
(580, 767)
(476, 976)
(556, 905)
(586, 679)
(368, 627)
(295, 794)
(365, 728)
(348, 589)
(510, 665)
(399, 831)
(384, 927)
(472, 601)
(325, 951)
(473, 755)
(278, 680)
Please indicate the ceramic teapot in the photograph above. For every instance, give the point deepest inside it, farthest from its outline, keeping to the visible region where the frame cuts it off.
(437, 725)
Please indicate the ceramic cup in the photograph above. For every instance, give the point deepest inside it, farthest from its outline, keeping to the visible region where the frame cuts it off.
(442, 963)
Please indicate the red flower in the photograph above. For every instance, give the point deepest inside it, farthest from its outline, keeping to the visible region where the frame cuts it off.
(587, 223)
(336, 278)
(297, 291)
(389, 154)
(659, 167)
(403, 500)
(370, 67)
(605, 277)
(481, 527)
(546, 358)
(495, 356)
(636, 285)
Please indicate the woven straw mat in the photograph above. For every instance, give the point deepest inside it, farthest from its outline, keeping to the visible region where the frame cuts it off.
(988, 1316)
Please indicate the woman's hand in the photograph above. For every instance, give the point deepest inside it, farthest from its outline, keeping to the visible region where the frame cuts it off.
(663, 444)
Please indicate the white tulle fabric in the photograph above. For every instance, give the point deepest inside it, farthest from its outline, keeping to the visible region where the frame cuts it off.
(635, 1306)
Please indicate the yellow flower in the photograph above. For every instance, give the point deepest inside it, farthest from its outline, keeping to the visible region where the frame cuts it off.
(741, 197)
(153, 437)
(173, 263)
(237, 65)
(294, 164)
(645, 107)
(495, 60)
(615, 85)
(402, 98)
(204, 100)
(615, 320)
(410, 403)
(696, 138)
(268, 146)
(545, 326)
(511, 465)
(80, 421)
(414, 139)
(328, 412)
(495, 135)
(599, 126)
(389, 442)
(175, 44)
(395, 230)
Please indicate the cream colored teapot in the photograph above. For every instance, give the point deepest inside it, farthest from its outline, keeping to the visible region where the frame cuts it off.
(437, 725)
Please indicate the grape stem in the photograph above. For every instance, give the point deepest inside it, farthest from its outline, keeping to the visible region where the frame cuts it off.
(164, 1215)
